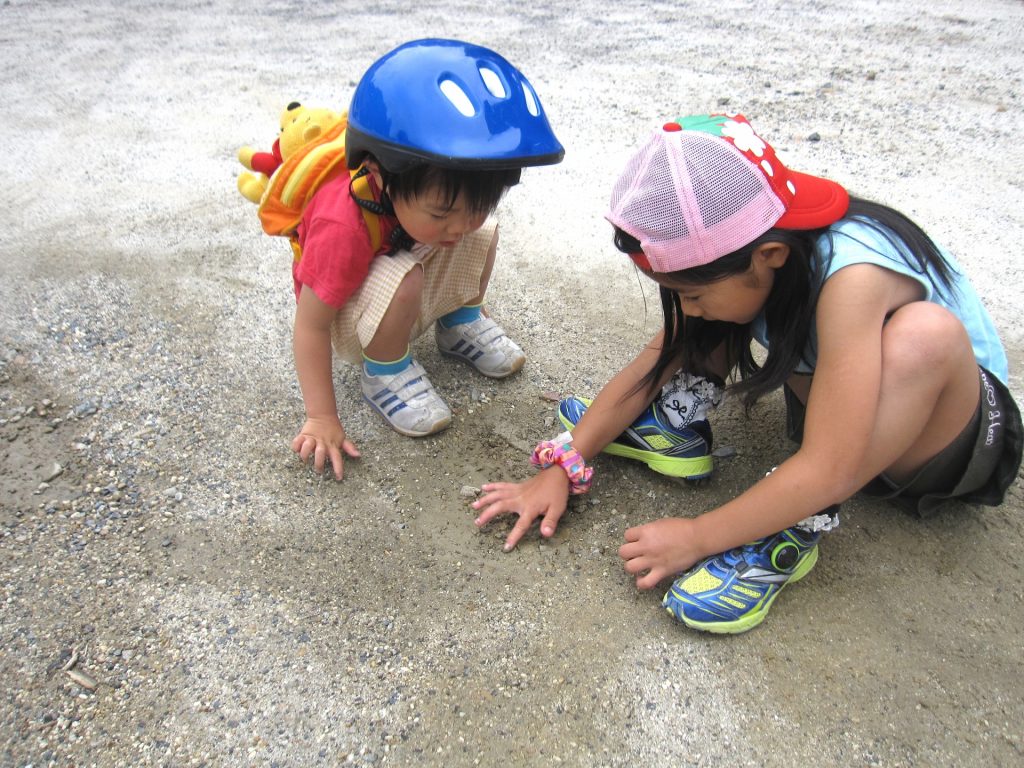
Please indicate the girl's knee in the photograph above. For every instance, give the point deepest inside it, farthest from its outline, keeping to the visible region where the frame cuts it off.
(925, 336)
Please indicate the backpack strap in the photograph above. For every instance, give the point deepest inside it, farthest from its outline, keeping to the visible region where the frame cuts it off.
(293, 185)
(361, 189)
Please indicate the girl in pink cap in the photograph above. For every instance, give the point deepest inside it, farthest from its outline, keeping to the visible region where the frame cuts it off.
(894, 376)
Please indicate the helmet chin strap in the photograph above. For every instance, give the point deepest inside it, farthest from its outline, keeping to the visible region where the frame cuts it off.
(382, 208)
(400, 240)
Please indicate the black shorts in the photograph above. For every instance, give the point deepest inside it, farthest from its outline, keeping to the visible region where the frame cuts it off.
(977, 467)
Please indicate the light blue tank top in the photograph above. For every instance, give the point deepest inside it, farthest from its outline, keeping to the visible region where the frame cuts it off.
(853, 242)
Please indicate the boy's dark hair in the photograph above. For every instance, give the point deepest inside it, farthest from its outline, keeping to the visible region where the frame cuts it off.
(481, 191)
(789, 310)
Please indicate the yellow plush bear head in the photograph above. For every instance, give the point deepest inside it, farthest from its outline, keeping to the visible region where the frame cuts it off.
(299, 126)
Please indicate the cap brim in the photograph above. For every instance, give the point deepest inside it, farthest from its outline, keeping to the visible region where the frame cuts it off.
(817, 203)
(640, 259)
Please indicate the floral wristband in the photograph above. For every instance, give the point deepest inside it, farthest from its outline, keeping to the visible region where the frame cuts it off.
(560, 451)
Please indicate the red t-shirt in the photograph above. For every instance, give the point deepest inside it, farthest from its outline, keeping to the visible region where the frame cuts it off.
(336, 248)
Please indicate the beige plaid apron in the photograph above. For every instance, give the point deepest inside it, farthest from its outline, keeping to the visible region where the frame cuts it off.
(451, 279)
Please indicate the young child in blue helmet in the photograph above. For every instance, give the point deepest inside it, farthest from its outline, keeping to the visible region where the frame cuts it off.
(894, 376)
(439, 129)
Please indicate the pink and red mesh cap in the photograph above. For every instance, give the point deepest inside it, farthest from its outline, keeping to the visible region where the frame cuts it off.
(706, 185)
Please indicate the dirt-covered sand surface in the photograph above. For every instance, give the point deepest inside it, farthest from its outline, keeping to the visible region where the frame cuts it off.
(176, 590)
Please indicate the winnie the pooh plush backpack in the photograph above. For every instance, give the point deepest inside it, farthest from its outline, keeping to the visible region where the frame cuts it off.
(309, 152)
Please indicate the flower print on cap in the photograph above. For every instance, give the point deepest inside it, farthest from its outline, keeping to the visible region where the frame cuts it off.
(724, 187)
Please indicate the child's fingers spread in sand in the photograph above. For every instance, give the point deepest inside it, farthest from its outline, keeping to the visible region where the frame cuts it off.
(304, 445)
(498, 499)
(518, 531)
(502, 499)
(331, 451)
(337, 463)
(322, 451)
(320, 455)
(528, 500)
(640, 565)
(658, 550)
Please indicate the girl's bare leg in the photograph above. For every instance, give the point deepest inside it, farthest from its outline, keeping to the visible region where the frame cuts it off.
(929, 393)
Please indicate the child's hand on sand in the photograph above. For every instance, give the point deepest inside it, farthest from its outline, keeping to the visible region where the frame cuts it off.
(659, 550)
(543, 495)
(324, 439)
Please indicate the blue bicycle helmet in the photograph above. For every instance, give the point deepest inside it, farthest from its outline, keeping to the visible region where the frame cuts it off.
(447, 103)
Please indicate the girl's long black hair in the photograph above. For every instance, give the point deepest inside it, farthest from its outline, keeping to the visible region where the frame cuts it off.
(789, 310)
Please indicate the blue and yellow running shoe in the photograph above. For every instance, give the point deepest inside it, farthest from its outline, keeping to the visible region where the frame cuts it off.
(653, 440)
(733, 592)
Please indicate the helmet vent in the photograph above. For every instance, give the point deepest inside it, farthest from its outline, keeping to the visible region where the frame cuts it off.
(531, 100)
(454, 93)
(493, 83)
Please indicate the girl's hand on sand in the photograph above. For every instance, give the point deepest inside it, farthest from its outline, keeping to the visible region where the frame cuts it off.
(543, 495)
(658, 550)
(324, 439)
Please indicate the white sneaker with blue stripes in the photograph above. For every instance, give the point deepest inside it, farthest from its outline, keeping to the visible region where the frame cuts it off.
(408, 401)
(483, 344)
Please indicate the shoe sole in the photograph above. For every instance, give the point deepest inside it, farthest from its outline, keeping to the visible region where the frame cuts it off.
(517, 366)
(687, 469)
(434, 428)
(749, 621)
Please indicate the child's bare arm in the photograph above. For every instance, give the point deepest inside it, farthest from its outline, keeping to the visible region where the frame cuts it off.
(322, 436)
(546, 494)
(833, 460)
(619, 402)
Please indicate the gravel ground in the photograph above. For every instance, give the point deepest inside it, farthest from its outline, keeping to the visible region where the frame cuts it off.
(178, 591)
